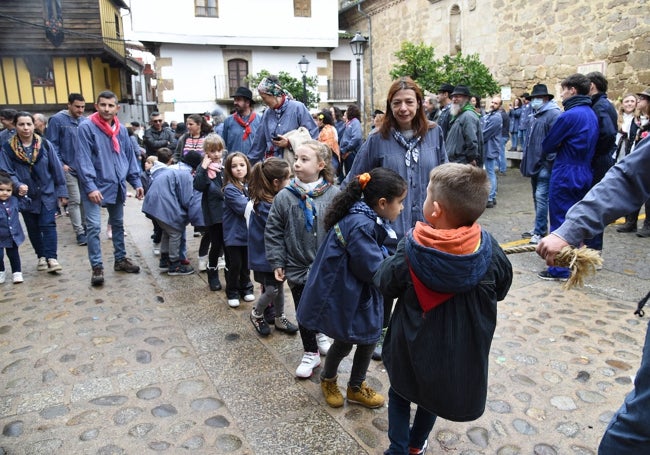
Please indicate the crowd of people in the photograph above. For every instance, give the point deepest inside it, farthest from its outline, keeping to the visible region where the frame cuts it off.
(351, 225)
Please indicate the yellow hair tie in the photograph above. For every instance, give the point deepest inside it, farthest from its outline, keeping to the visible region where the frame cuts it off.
(363, 180)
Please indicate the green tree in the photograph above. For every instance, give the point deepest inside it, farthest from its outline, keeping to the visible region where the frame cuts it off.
(291, 84)
(417, 61)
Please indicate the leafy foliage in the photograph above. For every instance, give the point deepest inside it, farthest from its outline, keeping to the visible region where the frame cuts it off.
(291, 84)
(417, 61)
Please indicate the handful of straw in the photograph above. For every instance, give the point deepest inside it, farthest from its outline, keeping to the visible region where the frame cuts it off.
(582, 262)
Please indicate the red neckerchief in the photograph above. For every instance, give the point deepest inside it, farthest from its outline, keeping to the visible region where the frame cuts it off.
(246, 125)
(463, 240)
(108, 130)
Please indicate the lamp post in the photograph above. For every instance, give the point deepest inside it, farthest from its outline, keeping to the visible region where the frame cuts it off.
(304, 64)
(358, 45)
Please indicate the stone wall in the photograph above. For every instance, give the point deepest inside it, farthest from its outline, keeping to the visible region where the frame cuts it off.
(522, 42)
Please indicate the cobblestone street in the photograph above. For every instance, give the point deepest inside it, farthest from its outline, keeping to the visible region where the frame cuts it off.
(150, 363)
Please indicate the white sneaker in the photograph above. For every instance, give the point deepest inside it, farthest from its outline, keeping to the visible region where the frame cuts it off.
(221, 263)
(249, 297)
(17, 276)
(310, 360)
(535, 239)
(53, 266)
(203, 263)
(42, 264)
(323, 343)
(156, 249)
(233, 303)
(3, 276)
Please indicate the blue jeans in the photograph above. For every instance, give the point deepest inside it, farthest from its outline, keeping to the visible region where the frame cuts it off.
(514, 136)
(503, 165)
(74, 203)
(491, 165)
(41, 230)
(402, 436)
(540, 183)
(628, 433)
(94, 227)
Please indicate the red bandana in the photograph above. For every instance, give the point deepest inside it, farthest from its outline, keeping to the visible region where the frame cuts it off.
(246, 125)
(108, 130)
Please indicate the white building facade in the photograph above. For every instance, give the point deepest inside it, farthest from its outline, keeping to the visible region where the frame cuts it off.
(205, 48)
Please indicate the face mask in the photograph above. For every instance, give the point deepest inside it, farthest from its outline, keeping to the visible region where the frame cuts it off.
(536, 103)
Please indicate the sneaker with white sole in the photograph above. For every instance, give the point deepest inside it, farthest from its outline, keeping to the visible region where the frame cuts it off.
(283, 324)
(42, 264)
(323, 343)
(249, 297)
(3, 276)
(17, 277)
(310, 360)
(233, 303)
(53, 266)
(203, 263)
(535, 239)
(260, 324)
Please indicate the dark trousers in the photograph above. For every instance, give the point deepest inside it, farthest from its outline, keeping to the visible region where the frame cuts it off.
(238, 276)
(338, 351)
(307, 336)
(215, 234)
(14, 258)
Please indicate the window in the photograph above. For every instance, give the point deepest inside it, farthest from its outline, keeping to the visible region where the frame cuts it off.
(237, 71)
(117, 26)
(40, 70)
(302, 8)
(206, 8)
(455, 43)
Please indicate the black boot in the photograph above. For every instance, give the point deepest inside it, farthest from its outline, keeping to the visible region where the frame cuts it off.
(213, 279)
(644, 231)
(630, 223)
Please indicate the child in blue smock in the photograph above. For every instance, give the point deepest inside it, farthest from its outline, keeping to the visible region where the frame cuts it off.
(11, 232)
(340, 299)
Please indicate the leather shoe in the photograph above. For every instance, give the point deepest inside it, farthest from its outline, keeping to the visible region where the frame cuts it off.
(627, 227)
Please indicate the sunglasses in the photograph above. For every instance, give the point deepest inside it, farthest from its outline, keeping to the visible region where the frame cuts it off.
(157, 121)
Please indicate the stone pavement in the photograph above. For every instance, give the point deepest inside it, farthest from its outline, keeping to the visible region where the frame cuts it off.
(150, 363)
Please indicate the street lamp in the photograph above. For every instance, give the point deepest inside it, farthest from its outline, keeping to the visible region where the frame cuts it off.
(358, 45)
(304, 64)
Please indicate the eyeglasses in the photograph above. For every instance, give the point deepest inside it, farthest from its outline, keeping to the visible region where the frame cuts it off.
(156, 121)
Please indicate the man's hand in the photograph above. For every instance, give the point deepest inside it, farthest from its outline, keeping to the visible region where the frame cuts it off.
(95, 197)
(139, 193)
(279, 274)
(549, 247)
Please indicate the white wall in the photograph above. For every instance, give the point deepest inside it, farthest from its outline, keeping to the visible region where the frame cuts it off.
(240, 23)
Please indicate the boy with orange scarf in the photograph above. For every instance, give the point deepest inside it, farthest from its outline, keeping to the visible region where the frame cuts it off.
(448, 274)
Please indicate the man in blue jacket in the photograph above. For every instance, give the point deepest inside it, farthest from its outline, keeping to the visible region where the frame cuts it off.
(544, 113)
(606, 146)
(625, 187)
(62, 132)
(105, 161)
(492, 126)
(572, 139)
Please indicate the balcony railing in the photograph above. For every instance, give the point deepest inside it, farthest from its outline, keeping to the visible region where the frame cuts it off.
(342, 89)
